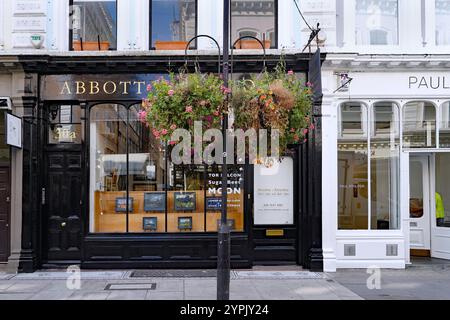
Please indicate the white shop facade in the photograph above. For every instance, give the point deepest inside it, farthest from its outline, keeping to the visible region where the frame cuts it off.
(386, 160)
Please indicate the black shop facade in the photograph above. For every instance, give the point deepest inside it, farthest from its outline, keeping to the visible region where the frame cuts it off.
(100, 191)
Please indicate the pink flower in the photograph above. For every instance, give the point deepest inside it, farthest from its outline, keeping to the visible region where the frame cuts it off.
(296, 138)
(172, 143)
(305, 131)
(173, 127)
(290, 72)
(309, 84)
(164, 132)
(224, 89)
(171, 92)
(189, 109)
(142, 115)
(149, 87)
(216, 113)
(312, 126)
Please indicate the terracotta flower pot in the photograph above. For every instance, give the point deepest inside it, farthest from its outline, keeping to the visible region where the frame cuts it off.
(90, 46)
(252, 44)
(170, 45)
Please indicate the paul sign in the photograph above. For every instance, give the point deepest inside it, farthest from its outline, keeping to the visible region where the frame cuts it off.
(429, 82)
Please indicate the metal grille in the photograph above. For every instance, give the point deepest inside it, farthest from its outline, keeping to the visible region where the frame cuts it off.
(174, 274)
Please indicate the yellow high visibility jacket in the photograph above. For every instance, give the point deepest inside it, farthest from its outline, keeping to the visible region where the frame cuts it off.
(440, 212)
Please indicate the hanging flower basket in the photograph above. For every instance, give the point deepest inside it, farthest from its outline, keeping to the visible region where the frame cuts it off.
(272, 100)
(181, 100)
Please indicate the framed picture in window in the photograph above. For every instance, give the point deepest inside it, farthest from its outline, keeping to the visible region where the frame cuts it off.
(155, 202)
(185, 223)
(150, 223)
(184, 201)
(121, 204)
(213, 203)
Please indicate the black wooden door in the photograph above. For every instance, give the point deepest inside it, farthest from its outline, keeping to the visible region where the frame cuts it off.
(4, 214)
(62, 205)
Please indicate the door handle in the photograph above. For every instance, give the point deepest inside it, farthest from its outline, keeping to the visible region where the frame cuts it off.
(8, 199)
(63, 224)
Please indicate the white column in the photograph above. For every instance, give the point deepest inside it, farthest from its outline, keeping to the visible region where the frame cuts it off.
(2, 27)
(142, 28)
(329, 173)
(208, 23)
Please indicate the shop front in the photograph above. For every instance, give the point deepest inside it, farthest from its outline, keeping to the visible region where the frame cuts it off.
(109, 195)
(388, 142)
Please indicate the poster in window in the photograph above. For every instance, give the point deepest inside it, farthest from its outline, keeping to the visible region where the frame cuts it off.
(185, 223)
(184, 201)
(150, 223)
(274, 193)
(155, 202)
(213, 203)
(121, 204)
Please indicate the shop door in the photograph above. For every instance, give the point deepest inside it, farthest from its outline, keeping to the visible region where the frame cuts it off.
(440, 213)
(274, 222)
(4, 214)
(419, 205)
(61, 195)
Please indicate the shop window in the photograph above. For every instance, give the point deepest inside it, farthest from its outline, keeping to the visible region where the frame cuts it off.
(442, 195)
(136, 189)
(384, 166)
(146, 177)
(353, 177)
(376, 22)
(64, 124)
(108, 163)
(174, 23)
(94, 25)
(419, 125)
(368, 160)
(444, 128)
(255, 18)
(442, 22)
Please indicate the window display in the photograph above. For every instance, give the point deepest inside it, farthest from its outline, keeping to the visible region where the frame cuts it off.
(130, 166)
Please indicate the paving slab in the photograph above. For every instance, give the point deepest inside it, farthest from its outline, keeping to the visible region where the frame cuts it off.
(85, 295)
(165, 295)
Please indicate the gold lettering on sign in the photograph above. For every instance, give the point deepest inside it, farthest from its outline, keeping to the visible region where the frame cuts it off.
(66, 88)
(81, 88)
(105, 87)
(125, 86)
(65, 134)
(139, 83)
(94, 88)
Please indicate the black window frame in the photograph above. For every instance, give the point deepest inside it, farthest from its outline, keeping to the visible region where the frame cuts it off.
(150, 26)
(71, 29)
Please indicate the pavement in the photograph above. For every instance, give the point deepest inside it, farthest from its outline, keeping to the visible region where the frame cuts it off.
(426, 279)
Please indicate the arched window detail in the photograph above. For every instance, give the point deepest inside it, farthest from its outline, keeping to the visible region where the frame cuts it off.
(419, 125)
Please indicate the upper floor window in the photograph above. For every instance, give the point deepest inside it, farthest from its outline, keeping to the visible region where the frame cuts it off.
(174, 23)
(94, 25)
(376, 22)
(442, 22)
(256, 19)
